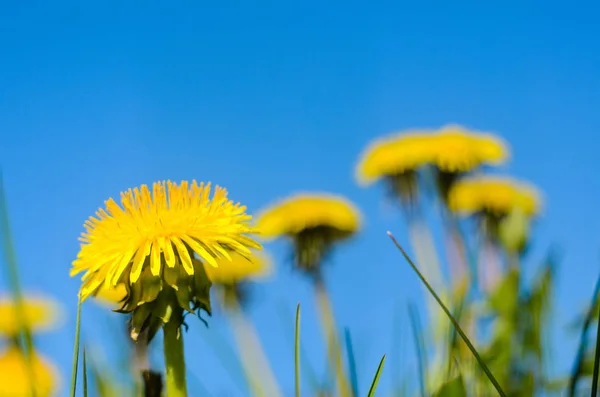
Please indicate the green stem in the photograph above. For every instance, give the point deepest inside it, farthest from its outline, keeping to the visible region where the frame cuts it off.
(174, 360)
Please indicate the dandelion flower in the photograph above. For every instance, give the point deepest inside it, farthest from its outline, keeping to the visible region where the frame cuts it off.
(394, 155)
(38, 314)
(451, 150)
(455, 149)
(111, 295)
(239, 269)
(313, 221)
(156, 242)
(494, 195)
(16, 379)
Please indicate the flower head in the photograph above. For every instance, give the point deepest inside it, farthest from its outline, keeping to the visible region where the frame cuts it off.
(16, 380)
(111, 295)
(455, 149)
(304, 212)
(313, 221)
(240, 268)
(450, 149)
(394, 155)
(38, 314)
(495, 195)
(158, 240)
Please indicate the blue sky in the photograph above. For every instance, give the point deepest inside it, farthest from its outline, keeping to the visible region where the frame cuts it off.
(270, 98)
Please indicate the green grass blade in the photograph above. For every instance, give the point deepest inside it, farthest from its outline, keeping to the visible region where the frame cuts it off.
(464, 337)
(596, 363)
(14, 282)
(580, 357)
(286, 320)
(351, 363)
(297, 352)
(376, 378)
(85, 379)
(453, 337)
(419, 345)
(76, 350)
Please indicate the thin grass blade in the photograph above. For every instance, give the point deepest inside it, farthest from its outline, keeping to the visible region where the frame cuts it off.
(464, 337)
(580, 358)
(309, 371)
(596, 363)
(419, 345)
(297, 352)
(351, 362)
(375, 382)
(73, 387)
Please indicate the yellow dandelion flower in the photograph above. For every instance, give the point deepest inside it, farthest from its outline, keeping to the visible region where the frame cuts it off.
(39, 314)
(240, 268)
(454, 149)
(159, 231)
(313, 222)
(111, 295)
(304, 212)
(394, 155)
(495, 195)
(16, 379)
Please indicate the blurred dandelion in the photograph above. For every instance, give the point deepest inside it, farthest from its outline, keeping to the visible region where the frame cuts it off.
(39, 314)
(395, 160)
(240, 269)
(494, 195)
(401, 161)
(315, 223)
(16, 380)
(155, 245)
(231, 281)
(503, 207)
(111, 296)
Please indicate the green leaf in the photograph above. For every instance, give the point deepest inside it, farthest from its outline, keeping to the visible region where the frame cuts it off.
(453, 388)
(505, 297)
(375, 382)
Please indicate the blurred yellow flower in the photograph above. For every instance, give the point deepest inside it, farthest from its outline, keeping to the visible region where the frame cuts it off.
(16, 380)
(39, 314)
(240, 268)
(111, 295)
(497, 195)
(303, 212)
(451, 149)
(160, 230)
(455, 149)
(394, 155)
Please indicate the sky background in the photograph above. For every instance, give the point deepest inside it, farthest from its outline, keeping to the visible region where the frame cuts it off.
(269, 98)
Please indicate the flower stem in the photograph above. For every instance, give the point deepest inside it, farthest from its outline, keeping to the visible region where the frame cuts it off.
(331, 337)
(174, 360)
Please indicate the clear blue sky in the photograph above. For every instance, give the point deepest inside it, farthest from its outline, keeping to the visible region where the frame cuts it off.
(267, 98)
